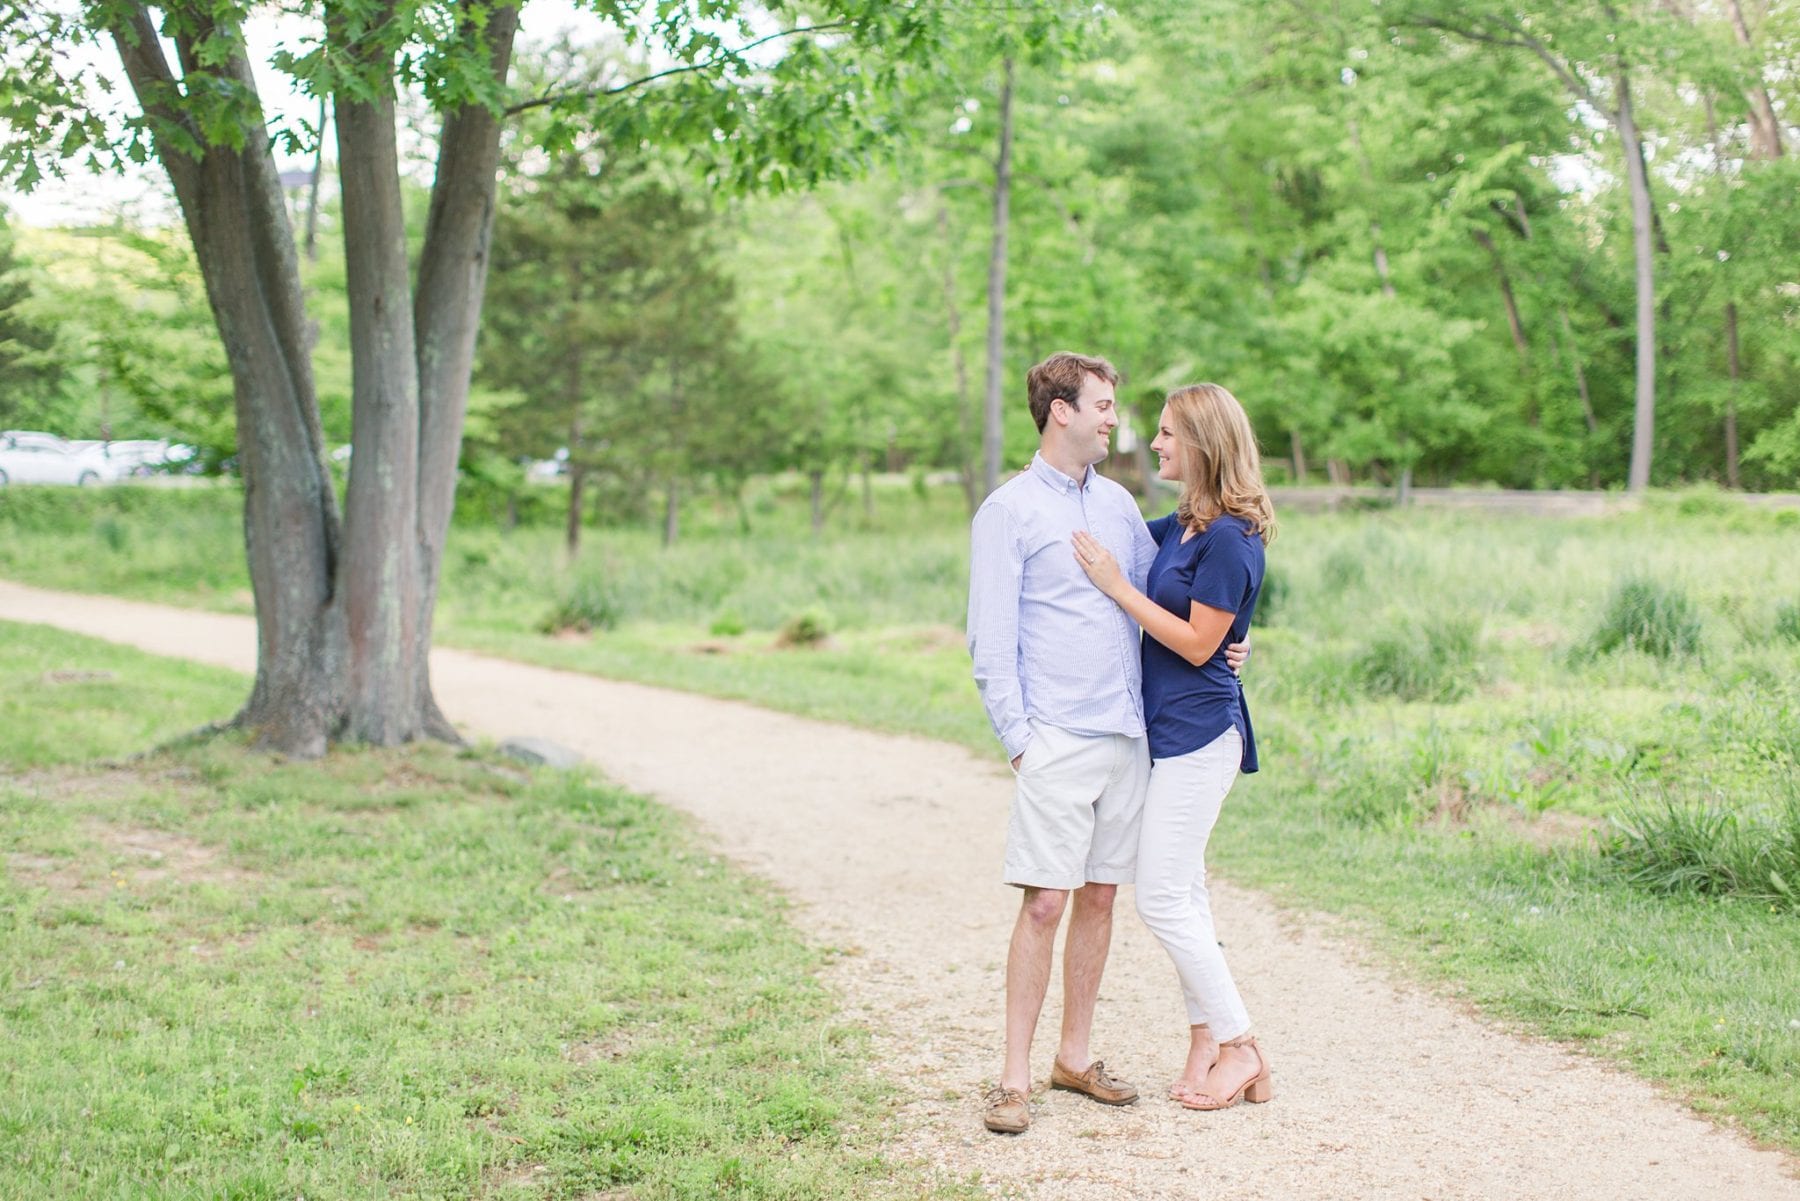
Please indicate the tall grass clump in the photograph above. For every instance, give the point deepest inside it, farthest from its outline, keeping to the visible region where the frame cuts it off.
(589, 603)
(1342, 569)
(1674, 847)
(1643, 614)
(1432, 660)
(1787, 621)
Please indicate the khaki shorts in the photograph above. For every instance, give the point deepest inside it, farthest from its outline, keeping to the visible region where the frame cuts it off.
(1076, 809)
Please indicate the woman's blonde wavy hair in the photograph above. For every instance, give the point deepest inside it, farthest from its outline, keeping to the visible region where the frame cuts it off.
(1221, 469)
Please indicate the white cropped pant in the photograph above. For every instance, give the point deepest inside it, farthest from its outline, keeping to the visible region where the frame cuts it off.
(1182, 804)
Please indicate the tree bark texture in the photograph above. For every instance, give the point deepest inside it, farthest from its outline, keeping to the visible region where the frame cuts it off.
(231, 203)
(342, 604)
(380, 581)
(996, 290)
(453, 268)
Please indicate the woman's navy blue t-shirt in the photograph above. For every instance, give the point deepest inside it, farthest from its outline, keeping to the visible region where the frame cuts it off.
(1186, 707)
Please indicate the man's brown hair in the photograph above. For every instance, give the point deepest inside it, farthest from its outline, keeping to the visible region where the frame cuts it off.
(1060, 377)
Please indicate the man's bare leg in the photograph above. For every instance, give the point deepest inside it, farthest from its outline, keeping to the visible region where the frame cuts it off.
(1084, 960)
(1027, 977)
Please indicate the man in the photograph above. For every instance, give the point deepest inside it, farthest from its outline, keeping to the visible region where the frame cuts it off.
(1058, 667)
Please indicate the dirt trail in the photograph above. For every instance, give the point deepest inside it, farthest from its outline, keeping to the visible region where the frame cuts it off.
(891, 846)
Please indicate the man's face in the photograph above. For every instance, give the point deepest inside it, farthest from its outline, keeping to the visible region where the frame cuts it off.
(1092, 420)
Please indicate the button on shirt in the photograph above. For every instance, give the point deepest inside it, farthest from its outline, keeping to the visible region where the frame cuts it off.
(1046, 643)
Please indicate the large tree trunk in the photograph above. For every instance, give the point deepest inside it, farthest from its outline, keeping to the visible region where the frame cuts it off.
(1643, 248)
(453, 267)
(232, 204)
(343, 607)
(996, 290)
(380, 577)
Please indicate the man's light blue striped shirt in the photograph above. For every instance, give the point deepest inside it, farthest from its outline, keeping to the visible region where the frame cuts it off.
(1047, 644)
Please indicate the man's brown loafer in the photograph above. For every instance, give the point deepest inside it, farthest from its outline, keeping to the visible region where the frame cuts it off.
(1096, 1082)
(1008, 1112)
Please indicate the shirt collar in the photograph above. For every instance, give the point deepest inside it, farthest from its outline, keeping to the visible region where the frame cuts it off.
(1057, 479)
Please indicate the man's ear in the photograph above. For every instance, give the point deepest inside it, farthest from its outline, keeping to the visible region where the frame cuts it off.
(1063, 418)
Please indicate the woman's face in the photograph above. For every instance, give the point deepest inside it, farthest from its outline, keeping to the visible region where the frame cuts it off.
(1167, 448)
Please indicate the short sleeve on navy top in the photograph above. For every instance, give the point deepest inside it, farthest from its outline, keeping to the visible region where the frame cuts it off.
(1187, 706)
(1229, 570)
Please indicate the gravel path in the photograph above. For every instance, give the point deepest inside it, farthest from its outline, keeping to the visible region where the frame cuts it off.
(890, 846)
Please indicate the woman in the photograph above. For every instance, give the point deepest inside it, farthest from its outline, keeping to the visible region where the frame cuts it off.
(1201, 592)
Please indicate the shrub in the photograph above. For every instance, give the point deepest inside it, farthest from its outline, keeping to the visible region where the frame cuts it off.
(726, 625)
(591, 603)
(1433, 660)
(1645, 615)
(804, 629)
(1703, 501)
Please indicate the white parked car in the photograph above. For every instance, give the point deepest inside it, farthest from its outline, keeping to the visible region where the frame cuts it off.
(31, 457)
(141, 457)
(28, 457)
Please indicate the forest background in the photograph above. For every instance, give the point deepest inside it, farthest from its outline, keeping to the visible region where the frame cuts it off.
(1403, 234)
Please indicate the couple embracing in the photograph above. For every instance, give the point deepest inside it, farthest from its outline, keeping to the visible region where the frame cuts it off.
(1123, 744)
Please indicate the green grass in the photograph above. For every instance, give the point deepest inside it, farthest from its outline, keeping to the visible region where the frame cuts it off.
(68, 699)
(1453, 734)
(1696, 993)
(181, 545)
(400, 974)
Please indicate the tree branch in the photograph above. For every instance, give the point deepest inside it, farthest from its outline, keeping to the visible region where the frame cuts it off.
(727, 56)
(140, 52)
(1563, 71)
(1526, 41)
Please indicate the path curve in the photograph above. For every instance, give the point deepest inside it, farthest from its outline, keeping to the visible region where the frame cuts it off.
(891, 845)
